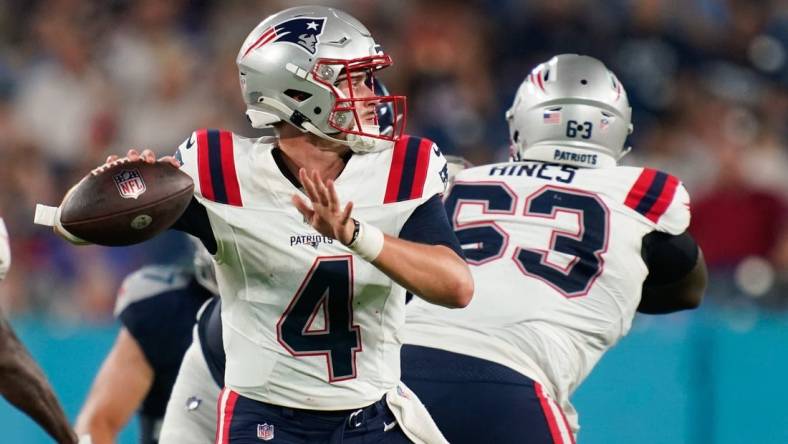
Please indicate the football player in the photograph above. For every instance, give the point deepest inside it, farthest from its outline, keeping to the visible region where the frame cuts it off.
(157, 307)
(201, 375)
(191, 410)
(565, 246)
(22, 382)
(313, 290)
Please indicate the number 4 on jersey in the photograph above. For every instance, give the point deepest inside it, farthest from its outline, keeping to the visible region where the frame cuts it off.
(327, 290)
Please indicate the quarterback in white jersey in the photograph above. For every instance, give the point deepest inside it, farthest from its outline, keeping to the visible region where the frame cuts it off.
(560, 243)
(313, 291)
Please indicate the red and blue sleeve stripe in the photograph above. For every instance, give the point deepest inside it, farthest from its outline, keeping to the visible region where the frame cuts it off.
(652, 193)
(216, 167)
(408, 172)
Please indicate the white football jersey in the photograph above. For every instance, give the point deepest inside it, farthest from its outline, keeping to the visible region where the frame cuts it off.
(307, 324)
(555, 252)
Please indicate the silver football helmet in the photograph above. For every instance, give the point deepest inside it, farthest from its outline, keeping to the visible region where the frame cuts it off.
(290, 67)
(572, 110)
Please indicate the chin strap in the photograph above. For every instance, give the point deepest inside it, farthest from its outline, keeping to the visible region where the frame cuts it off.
(624, 152)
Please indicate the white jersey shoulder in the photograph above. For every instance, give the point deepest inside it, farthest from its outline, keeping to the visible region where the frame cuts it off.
(230, 169)
(555, 252)
(286, 343)
(148, 282)
(656, 198)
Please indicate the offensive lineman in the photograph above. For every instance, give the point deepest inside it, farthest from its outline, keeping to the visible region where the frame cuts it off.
(22, 383)
(157, 306)
(565, 246)
(312, 298)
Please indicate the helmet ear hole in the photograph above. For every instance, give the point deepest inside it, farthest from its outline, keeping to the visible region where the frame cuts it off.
(298, 96)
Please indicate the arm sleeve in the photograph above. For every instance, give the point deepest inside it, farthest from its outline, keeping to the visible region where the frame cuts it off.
(669, 257)
(195, 221)
(428, 224)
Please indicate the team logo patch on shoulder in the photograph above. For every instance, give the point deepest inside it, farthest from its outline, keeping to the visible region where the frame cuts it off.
(265, 431)
(303, 32)
(129, 183)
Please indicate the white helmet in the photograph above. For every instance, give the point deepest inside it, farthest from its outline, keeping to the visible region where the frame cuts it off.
(570, 110)
(289, 66)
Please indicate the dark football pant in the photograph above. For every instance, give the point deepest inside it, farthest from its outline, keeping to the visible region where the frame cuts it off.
(246, 421)
(478, 401)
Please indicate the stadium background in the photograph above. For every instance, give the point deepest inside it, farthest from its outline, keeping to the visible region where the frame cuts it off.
(707, 81)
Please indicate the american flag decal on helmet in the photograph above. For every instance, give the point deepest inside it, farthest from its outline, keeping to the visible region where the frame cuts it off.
(303, 32)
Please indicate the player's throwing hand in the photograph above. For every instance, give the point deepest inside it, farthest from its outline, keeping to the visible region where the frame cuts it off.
(147, 156)
(326, 214)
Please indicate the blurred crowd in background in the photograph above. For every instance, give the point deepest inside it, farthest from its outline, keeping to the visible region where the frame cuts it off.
(707, 79)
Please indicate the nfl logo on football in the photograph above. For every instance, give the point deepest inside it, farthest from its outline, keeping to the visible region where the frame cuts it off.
(265, 431)
(130, 184)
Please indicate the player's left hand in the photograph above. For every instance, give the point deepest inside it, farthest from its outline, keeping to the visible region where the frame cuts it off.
(147, 156)
(326, 215)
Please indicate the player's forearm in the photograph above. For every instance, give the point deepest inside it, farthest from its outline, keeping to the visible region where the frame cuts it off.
(51, 417)
(101, 430)
(433, 272)
(98, 419)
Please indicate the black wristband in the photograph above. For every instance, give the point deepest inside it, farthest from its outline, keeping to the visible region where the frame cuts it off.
(356, 231)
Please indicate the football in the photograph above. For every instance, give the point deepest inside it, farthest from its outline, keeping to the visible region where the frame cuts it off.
(124, 202)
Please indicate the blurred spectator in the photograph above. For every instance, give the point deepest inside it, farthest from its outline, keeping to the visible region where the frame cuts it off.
(162, 94)
(60, 101)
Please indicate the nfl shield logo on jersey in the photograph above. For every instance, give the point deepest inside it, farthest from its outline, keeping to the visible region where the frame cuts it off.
(130, 184)
(265, 431)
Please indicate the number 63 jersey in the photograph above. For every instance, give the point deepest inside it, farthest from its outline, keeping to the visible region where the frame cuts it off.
(306, 323)
(555, 252)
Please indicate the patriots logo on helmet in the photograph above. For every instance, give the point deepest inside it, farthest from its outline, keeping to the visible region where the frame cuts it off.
(303, 32)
